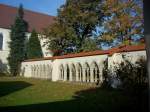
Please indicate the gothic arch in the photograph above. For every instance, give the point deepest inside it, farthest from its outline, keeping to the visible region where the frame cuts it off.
(94, 72)
(79, 72)
(73, 72)
(86, 72)
(67, 71)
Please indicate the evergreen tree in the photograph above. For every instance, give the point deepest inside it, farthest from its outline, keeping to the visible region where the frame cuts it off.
(33, 46)
(17, 43)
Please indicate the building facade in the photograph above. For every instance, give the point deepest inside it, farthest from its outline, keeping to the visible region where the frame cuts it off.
(35, 21)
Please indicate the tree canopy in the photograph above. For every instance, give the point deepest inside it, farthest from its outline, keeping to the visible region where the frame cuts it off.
(33, 46)
(122, 21)
(76, 21)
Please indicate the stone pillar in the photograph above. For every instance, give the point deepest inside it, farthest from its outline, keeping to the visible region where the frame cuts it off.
(38, 72)
(50, 75)
(65, 75)
(87, 76)
(84, 78)
(77, 75)
(60, 74)
(100, 75)
(91, 76)
(35, 72)
(80, 74)
(46, 74)
(70, 75)
(96, 75)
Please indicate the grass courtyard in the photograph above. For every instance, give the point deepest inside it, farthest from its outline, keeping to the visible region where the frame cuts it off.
(34, 95)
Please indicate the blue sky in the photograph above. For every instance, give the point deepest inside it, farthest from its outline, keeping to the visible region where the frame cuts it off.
(44, 6)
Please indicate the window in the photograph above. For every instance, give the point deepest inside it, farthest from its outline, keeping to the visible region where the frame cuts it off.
(1, 41)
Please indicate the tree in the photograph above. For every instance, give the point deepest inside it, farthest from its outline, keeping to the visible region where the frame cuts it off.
(17, 42)
(76, 21)
(34, 47)
(123, 21)
(89, 44)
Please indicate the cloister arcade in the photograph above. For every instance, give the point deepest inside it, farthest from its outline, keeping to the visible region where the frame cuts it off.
(41, 71)
(77, 72)
(75, 68)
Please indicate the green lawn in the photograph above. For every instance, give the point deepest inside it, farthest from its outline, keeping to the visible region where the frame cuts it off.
(33, 95)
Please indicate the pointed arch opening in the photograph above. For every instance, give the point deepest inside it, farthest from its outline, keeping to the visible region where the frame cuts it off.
(73, 70)
(95, 71)
(61, 75)
(87, 72)
(79, 72)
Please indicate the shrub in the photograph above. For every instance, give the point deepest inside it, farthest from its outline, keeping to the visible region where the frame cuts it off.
(132, 75)
(134, 82)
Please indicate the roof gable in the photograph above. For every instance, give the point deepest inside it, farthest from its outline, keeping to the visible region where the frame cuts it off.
(35, 20)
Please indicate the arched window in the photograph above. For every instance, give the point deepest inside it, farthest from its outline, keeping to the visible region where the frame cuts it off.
(1, 41)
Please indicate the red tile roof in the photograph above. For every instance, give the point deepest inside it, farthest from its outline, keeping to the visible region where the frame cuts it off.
(36, 20)
(97, 52)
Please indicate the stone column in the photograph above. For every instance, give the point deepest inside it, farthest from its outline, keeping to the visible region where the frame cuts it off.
(100, 75)
(70, 75)
(62, 75)
(38, 72)
(84, 78)
(91, 76)
(88, 75)
(65, 75)
(77, 75)
(35, 72)
(96, 75)
(80, 78)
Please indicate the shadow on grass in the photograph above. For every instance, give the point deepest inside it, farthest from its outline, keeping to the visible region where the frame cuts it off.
(91, 100)
(9, 87)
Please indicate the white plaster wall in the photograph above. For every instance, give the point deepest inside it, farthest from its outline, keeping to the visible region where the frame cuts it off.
(6, 39)
(132, 56)
(5, 48)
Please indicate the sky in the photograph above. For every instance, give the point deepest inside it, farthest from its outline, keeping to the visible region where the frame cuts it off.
(44, 6)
